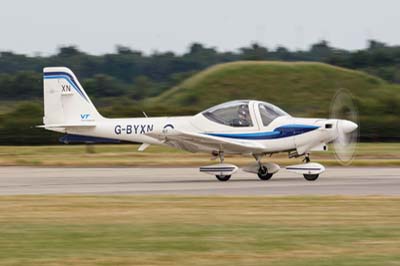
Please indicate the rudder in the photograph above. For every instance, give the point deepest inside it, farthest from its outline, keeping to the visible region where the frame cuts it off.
(65, 101)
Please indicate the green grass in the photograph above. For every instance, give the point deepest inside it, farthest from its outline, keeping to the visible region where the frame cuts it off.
(163, 230)
(299, 87)
(376, 154)
(303, 89)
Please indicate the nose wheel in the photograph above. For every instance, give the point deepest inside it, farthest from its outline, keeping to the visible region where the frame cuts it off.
(310, 171)
(309, 177)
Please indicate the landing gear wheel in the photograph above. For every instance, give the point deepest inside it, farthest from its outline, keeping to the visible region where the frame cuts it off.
(223, 177)
(311, 177)
(263, 173)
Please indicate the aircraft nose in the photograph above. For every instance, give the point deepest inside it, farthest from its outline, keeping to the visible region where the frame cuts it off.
(348, 126)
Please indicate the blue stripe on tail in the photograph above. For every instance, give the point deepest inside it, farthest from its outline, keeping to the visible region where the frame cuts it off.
(69, 78)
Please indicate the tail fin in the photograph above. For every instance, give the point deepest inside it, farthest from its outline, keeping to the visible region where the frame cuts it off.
(65, 101)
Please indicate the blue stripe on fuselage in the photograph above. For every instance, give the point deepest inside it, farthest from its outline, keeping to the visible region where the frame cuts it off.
(277, 133)
(67, 77)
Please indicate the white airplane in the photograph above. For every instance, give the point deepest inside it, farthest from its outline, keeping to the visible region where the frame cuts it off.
(245, 127)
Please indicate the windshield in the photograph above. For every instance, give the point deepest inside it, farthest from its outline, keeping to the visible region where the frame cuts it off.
(235, 114)
(269, 112)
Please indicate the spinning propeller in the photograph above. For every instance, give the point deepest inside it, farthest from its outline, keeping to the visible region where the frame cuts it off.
(344, 110)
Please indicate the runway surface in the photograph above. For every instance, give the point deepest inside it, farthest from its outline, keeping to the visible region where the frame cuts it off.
(189, 181)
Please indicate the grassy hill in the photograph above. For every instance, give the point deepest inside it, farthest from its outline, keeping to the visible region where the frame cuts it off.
(302, 89)
(298, 87)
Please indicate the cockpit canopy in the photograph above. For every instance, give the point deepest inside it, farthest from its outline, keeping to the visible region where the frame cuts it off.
(237, 113)
(268, 112)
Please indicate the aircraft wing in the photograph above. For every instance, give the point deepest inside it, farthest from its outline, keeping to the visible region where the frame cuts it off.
(190, 140)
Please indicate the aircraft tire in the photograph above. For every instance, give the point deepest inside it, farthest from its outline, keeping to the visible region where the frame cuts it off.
(311, 177)
(263, 174)
(223, 178)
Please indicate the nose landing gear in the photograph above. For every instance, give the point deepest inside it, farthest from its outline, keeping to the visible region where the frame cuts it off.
(309, 170)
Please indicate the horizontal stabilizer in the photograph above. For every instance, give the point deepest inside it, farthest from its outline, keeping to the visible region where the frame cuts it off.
(67, 125)
(85, 139)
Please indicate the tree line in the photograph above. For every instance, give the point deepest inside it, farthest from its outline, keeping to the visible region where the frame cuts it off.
(115, 80)
(131, 73)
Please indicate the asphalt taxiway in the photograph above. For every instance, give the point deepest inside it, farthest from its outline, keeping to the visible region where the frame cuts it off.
(189, 181)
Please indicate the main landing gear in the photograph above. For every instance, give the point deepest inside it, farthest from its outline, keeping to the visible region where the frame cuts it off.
(221, 171)
(306, 158)
(310, 177)
(263, 173)
(222, 177)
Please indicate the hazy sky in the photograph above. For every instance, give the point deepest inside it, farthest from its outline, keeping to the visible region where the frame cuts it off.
(149, 25)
